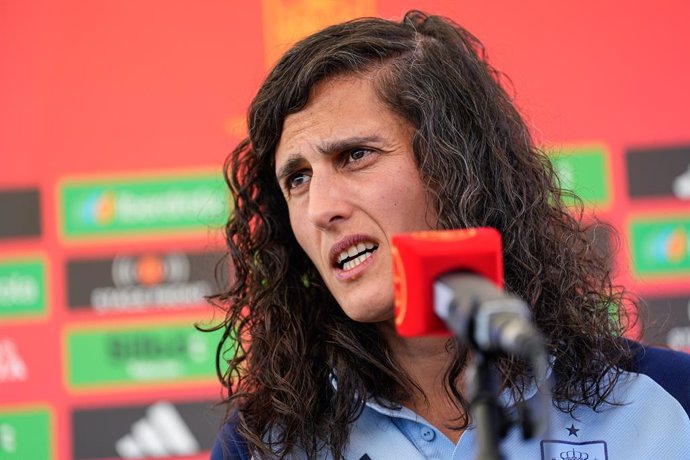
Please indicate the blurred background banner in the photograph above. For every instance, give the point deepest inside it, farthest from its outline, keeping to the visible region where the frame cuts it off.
(115, 119)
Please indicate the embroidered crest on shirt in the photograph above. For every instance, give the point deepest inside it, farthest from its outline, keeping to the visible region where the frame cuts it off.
(567, 450)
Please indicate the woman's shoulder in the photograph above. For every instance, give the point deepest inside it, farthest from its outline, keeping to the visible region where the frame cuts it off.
(230, 445)
(668, 368)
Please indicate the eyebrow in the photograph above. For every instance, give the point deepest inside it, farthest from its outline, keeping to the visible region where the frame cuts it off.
(290, 165)
(328, 148)
(342, 145)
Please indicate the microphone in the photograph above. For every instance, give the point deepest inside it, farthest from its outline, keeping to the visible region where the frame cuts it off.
(451, 282)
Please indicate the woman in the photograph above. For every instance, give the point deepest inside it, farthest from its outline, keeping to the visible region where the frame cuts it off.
(371, 128)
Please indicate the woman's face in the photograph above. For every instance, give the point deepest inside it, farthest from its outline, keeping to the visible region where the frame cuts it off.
(347, 171)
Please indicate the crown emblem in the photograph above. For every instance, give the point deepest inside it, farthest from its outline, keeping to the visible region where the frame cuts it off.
(574, 455)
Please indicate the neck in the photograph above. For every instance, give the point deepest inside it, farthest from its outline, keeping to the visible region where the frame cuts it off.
(425, 360)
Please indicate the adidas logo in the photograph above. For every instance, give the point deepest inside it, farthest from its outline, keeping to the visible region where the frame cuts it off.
(161, 433)
(12, 367)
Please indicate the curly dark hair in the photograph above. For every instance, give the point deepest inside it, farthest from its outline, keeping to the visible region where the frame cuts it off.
(481, 167)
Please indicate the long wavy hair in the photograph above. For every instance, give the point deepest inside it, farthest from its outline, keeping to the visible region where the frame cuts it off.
(481, 167)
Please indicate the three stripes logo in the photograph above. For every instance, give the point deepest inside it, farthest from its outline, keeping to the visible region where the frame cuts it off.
(160, 429)
(161, 433)
(12, 366)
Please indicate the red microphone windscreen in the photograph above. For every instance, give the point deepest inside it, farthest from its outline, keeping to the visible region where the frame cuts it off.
(419, 258)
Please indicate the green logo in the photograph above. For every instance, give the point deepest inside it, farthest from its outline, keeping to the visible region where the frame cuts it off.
(155, 353)
(194, 202)
(22, 287)
(584, 171)
(661, 246)
(25, 434)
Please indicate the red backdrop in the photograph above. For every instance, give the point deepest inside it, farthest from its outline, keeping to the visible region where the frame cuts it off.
(122, 91)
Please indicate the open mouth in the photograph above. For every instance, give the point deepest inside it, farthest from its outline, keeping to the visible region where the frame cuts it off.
(355, 255)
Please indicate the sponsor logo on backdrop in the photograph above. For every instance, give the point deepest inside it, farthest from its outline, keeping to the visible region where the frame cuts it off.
(669, 246)
(660, 246)
(25, 434)
(161, 353)
(161, 429)
(659, 172)
(22, 287)
(12, 365)
(668, 322)
(160, 433)
(21, 213)
(681, 185)
(122, 206)
(584, 171)
(134, 282)
(98, 209)
(8, 439)
(30, 361)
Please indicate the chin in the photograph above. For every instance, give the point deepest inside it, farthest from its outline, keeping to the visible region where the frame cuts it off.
(370, 315)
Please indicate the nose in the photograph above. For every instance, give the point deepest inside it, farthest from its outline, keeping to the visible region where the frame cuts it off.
(328, 200)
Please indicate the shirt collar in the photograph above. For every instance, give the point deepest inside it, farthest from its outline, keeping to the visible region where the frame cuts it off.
(506, 398)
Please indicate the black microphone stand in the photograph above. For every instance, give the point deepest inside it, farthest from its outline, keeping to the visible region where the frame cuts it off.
(469, 315)
(492, 424)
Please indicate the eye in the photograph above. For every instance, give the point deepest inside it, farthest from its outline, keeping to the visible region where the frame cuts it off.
(296, 180)
(357, 154)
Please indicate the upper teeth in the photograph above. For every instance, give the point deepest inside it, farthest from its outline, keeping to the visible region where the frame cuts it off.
(354, 250)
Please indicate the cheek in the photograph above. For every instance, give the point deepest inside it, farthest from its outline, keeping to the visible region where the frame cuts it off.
(408, 207)
(306, 241)
(297, 230)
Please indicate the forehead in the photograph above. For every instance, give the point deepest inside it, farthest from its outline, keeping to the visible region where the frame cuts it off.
(340, 108)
